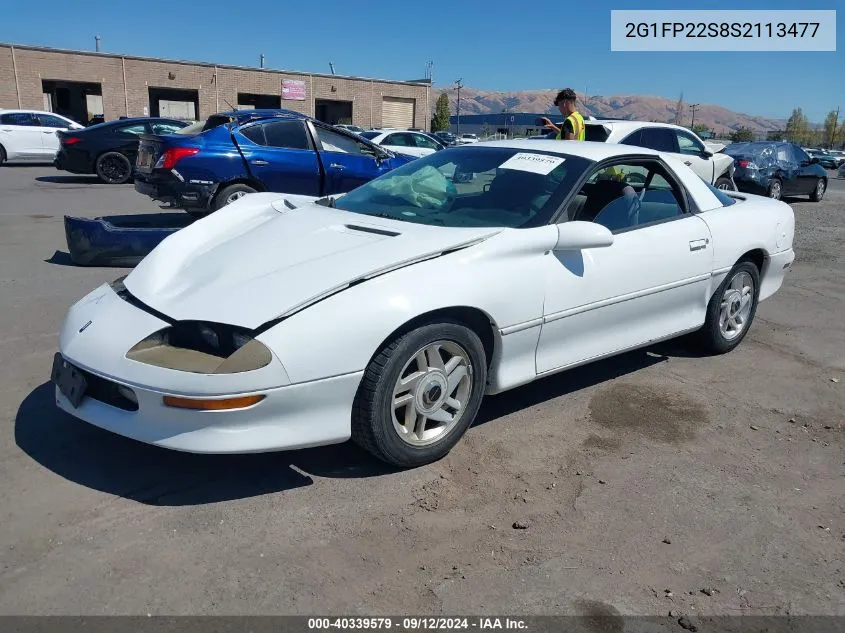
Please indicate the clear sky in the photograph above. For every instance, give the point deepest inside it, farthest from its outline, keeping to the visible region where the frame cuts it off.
(493, 45)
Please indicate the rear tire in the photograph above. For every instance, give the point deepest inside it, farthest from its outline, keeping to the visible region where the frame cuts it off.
(438, 398)
(113, 168)
(775, 189)
(731, 309)
(819, 190)
(724, 183)
(2, 155)
(229, 194)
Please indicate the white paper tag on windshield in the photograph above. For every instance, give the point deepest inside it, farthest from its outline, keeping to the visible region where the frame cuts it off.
(535, 163)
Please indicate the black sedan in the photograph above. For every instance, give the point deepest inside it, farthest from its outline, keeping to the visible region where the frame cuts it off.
(777, 169)
(109, 149)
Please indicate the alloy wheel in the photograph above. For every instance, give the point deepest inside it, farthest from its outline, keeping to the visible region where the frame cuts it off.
(432, 393)
(735, 309)
(234, 196)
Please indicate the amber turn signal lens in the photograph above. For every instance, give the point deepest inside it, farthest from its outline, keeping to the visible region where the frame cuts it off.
(203, 404)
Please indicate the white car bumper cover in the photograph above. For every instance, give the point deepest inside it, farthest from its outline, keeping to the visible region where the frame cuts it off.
(289, 417)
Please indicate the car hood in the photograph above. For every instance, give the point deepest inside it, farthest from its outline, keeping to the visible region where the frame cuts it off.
(264, 257)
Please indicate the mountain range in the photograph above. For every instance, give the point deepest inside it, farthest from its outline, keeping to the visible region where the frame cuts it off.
(635, 107)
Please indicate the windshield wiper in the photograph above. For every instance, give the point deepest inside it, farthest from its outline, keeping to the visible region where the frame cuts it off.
(328, 201)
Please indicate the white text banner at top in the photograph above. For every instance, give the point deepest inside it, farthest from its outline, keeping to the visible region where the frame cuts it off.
(723, 30)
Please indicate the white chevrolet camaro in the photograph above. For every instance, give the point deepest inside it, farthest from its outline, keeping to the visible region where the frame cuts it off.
(386, 314)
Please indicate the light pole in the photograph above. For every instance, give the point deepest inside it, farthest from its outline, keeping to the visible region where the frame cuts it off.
(693, 107)
(458, 86)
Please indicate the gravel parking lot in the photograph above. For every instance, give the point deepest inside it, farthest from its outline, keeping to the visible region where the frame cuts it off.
(656, 481)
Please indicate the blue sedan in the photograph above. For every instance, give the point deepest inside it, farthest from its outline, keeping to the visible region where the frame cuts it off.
(210, 164)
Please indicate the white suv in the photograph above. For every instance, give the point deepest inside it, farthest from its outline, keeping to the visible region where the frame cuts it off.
(713, 167)
(30, 135)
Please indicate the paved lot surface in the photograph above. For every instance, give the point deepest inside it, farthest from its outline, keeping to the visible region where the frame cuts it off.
(659, 470)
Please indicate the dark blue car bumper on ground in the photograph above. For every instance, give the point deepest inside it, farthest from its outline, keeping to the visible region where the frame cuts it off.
(119, 240)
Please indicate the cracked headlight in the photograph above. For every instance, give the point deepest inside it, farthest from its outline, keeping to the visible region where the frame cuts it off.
(202, 348)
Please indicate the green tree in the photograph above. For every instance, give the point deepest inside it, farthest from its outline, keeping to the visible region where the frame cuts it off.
(440, 122)
(830, 128)
(701, 129)
(742, 134)
(797, 127)
(486, 130)
(839, 139)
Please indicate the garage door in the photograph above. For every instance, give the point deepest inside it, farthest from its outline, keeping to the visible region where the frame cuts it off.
(397, 112)
(177, 109)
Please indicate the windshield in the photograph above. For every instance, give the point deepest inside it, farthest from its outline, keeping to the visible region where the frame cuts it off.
(369, 135)
(471, 187)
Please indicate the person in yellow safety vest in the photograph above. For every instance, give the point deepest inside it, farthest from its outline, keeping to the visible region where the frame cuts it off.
(572, 128)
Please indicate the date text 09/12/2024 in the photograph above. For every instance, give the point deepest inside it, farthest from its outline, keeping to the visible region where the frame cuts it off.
(416, 623)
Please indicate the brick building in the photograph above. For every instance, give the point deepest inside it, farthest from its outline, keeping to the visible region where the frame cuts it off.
(82, 85)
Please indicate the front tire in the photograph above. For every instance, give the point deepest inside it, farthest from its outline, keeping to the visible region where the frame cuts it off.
(731, 309)
(420, 394)
(2, 155)
(819, 190)
(229, 194)
(113, 168)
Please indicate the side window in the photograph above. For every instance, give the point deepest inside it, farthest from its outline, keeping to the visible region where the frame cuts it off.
(138, 128)
(286, 134)
(626, 196)
(424, 141)
(18, 118)
(634, 138)
(402, 140)
(254, 133)
(334, 142)
(800, 155)
(160, 127)
(688, 145)
(784, 155)
(657, 138)
(49, 120)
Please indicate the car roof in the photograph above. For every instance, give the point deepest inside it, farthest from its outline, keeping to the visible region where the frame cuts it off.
(242, 116)
(591, 150)
(627, 124)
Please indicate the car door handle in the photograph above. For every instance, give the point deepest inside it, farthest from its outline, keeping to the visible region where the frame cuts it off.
(337, 166)
(697, 245)
(259, 162)
(48, 132)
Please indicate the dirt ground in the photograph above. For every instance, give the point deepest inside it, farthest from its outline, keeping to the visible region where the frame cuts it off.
(655, 481)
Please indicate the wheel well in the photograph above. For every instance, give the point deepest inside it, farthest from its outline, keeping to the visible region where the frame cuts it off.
(241, 181)
(756, 257)
(473, 318)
